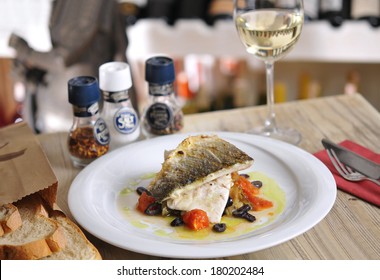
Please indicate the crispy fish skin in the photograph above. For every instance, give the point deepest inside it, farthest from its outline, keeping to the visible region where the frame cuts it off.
(197, 160)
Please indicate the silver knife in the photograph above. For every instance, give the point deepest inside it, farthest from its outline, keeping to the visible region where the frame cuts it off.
(353, 160)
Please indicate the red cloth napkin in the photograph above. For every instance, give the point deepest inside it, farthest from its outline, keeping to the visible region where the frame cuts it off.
(365, 190)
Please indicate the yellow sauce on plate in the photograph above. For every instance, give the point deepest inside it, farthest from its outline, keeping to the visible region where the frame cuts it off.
(236, 227)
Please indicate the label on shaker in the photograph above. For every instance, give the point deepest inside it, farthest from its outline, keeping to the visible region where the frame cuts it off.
(125, 121)
(159, 116)
(101, 132)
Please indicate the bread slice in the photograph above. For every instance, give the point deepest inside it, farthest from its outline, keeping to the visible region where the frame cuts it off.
(78, 247)
(37, 237)
(10, 219)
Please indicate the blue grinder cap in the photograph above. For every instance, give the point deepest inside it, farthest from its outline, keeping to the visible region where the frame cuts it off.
(159, 70)
(83, 91)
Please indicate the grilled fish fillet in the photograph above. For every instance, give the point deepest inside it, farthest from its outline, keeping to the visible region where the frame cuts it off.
(197, 175)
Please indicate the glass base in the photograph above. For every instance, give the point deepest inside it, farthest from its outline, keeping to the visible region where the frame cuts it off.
(288, 135)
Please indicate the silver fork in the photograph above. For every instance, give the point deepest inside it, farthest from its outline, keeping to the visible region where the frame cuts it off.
(345, 171)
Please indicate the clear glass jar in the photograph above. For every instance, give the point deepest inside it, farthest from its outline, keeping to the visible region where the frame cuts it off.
(88, 136)
(162, 114)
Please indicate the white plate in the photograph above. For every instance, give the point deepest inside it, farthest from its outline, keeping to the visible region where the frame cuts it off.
(309, 187)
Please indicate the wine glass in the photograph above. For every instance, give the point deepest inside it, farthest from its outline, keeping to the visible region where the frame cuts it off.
(269, 29)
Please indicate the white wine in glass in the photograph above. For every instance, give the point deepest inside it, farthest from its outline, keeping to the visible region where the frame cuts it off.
(269, 30)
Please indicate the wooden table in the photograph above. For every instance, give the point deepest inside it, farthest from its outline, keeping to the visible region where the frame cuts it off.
(352, 228)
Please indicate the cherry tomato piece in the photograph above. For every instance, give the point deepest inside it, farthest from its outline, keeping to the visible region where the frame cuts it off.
(144, 201)
(259, 203)
(196, 219)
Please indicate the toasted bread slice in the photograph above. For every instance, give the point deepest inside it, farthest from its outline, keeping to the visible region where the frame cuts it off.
(37, 237)
(78, 247)
(10, 218)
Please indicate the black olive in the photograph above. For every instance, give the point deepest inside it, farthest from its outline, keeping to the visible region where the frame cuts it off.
(219, 227)
(153, 209)
(244, 208)
(257, 183)
(177, 222)
(241, 211)
(229, 202)
(249, 217)
(245, 175)
(141, 190)
(173, 212)
(237, 214)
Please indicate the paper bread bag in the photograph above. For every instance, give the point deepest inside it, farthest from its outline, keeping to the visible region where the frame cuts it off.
(24, 168)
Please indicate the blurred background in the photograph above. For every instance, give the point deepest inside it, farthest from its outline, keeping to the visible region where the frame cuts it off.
(338, 53)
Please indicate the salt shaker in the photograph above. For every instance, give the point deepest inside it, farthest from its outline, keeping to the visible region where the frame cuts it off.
(120, 116)
(89, 136)
(162, 115)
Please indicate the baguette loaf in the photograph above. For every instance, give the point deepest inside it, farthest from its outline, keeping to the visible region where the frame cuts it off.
(37, 237)
(78, 247)
(10, 219)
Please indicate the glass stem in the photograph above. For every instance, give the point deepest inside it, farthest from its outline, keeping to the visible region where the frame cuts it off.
(270, 122)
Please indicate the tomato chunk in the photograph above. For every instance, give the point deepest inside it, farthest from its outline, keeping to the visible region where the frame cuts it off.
(259, 203)
(144, 201)
(246, 186)
(196, 219)
(250, 192)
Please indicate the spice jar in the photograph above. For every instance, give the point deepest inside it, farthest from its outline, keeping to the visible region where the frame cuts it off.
(89, 136)
(163, 114)
(120, 116)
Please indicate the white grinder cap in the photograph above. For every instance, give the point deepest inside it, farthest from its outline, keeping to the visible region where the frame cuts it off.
(115, 76)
